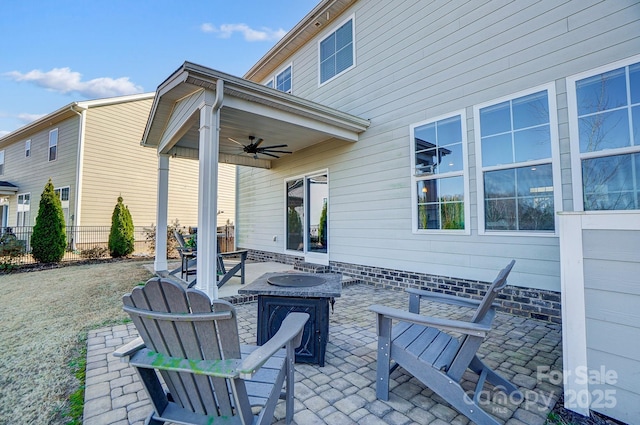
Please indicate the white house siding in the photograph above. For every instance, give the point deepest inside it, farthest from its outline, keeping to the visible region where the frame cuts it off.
(32, 173)
(612, 307)
(416, 61)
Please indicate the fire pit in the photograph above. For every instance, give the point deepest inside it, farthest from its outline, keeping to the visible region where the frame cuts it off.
(282, 293)
(293, 280)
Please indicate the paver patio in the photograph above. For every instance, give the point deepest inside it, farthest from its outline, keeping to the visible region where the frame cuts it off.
(343, 391)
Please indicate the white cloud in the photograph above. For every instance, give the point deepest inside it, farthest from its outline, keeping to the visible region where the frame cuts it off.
(27, 118)
(64, 80)
(4, 132)
(249, 34)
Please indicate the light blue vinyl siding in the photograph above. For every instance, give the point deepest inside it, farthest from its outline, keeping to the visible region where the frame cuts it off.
(417, 61)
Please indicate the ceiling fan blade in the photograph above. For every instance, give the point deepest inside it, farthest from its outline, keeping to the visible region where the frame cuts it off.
(235, 141)
(267, 153)
(258, 142)
(274, 147)
(273, 150)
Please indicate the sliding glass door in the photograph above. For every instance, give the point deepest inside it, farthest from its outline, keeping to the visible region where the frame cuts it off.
(306, 217)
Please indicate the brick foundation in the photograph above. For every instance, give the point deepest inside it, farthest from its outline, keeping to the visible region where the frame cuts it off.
(531, 303)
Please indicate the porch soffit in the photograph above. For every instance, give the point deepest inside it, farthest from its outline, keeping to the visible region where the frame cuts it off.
(248, 109)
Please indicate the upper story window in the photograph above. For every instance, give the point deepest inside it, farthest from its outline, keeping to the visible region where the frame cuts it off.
(53, 144)
(1, 162)
(27, 148)
(439, 184)
(283, 80)
(337, 52)
(604, 116)
(517, 150)
(23, 209)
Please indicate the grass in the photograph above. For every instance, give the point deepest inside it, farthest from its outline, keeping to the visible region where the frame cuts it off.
(45, 318)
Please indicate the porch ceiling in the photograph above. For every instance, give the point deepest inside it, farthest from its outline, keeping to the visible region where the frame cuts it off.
(248, 109)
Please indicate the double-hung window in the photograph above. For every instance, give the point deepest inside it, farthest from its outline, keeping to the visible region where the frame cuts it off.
(283, 80)
(1, 162)
(63, 194)
(517, 153)
(27, 148)
(337, 51)
(439, 184)
(604, 116)
(53, 144)
(24, 205)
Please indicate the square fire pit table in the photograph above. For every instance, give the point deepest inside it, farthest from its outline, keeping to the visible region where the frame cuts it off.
(281, 293)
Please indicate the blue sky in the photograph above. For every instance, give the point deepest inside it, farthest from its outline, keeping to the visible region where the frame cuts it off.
(56, 52)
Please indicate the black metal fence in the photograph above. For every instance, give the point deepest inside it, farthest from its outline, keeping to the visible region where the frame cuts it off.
(83, 243)
(90, 243)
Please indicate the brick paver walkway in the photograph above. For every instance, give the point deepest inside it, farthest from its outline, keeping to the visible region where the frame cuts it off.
(343, 391)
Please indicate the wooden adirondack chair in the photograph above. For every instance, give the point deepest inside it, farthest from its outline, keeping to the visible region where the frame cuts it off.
(194, 345)
(422, 346)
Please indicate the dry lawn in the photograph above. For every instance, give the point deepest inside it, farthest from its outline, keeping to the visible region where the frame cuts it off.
(44, 315)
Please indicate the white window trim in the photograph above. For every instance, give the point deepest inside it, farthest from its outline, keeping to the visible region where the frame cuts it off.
(465, 176)
(555, 162)
(280, 71)
(19, 211)
(574, 134)
(324, 37)
(27, 148)
(2, 164)
(320, 257)
(272, 81)
(56, 145)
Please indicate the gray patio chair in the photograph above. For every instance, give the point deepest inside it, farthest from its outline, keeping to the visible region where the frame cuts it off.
(424, 348)
(188, 265)
(193, 344)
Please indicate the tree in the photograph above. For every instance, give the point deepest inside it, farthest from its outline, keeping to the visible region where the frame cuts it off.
(121, 240)
(49, 238)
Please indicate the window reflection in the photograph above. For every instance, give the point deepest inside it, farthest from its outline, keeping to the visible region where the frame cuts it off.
(609, 131)
(519, 199)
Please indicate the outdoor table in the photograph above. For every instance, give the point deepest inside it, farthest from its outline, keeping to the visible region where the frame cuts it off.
(282, 293)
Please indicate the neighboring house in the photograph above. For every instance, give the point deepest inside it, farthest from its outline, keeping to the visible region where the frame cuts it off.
(434, 142)
(91, 150)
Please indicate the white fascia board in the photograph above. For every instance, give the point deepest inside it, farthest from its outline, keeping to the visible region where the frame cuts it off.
(115, 100)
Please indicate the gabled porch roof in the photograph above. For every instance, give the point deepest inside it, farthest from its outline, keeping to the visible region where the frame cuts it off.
(196, 112)
(247, 109)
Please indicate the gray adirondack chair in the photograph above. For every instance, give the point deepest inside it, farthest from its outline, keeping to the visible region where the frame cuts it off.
(422, 346)
(194, 345)
(189, 260)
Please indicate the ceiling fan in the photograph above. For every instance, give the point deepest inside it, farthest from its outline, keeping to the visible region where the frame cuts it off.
(254, 148)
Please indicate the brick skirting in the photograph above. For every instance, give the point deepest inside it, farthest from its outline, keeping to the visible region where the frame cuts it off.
(526, 302)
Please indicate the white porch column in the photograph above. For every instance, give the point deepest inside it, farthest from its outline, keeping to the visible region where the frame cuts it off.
(574, 326)
(160, 263)
(208, 191)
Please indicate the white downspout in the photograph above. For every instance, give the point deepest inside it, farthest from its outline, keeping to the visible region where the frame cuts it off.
(209, 143)
(79, 169)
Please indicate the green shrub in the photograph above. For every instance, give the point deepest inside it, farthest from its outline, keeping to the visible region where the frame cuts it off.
(11, 249)
(121, 238)
(49, 239)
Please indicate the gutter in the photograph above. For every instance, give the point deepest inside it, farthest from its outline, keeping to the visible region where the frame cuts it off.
(82, 114)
